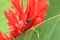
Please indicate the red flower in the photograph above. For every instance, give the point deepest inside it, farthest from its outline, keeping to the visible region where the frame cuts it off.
(20, 20)
(3, 37)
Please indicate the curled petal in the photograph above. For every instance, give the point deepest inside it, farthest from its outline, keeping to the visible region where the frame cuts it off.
(10, 17)
(12, 12)
(16, 4)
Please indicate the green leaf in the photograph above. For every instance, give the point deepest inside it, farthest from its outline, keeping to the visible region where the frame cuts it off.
(47, 30)
(54, 8)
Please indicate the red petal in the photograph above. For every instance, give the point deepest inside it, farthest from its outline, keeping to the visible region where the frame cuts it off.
(16, 4)
(24, 17)
(1, 36)
(39, 5)
(42, 12)
(7, 38)
(14, 33)
(40, 17)
(17, 7)
(12, 27)
(37, 21)
(10, 17)
(13, 13)
(20, 27)
(31, 8)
